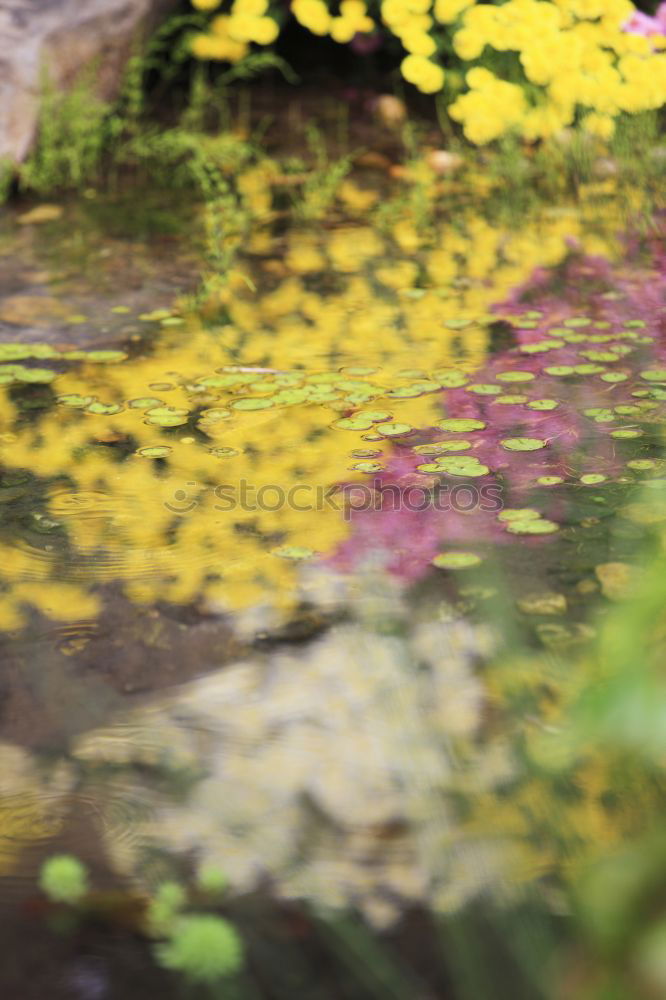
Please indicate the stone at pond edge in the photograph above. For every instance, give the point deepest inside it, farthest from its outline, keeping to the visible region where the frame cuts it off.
(63, 37)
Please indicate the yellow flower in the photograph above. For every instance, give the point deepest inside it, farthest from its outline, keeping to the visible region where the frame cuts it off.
(468, 44)
(313, 15)
(448, 11)
(419, 43)
(206, 4)
(424, 74)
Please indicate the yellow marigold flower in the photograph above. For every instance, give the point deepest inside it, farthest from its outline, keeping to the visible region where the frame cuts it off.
(468, 44)
(313, 15)
(342, 30)
(424, 74)
(206, 4)
(394, 12)
(418, 43)
(266, 31)
(253, 7)
(448, 11)
(217, 47)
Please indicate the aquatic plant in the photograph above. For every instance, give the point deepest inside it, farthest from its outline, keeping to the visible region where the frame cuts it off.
(203, 947)
(64, 878)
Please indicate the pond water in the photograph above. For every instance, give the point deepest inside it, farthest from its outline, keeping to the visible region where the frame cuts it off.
(261, 546)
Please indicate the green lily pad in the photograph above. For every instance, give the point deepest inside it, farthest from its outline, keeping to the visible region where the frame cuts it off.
(550, 480)
(654, 374)
(543, 404)
(523, 444)
(593, 478)
(614, 377)
(511, 400)
(461, 425)
(450, 378)
(442, 447)
(368, 467)
(394, 429)
(248, 403)
(536, 527)
(456, 560)
(145, 402)
(484, 389)
(74, 399)
(353, 423)
(376, 416)
(517, 376)
(518, 514)
(627, 434)
(465, 466)
(103, 409)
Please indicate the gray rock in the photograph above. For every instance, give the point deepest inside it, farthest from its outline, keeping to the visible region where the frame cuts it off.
(60, 37)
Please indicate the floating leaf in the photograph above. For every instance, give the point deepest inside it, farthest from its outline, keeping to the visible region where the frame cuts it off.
(511, 400)
(543, 404)
(550, 480)
(464, 466)
(523, 444)
(353, 423)
(518, 514)
(74, 399)
(517, 376)
(247, 403)
(484, 389)
(456, 560)
(103, 409)
(536, 527)
(641, 464)
(450, 378)
(394, 430)
(593, 478)
(626, 434)
(461, 425)
(368, 467)
(442, 447)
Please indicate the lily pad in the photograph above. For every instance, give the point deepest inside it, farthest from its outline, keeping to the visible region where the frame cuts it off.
(523, 444)
(456, 560)
(461, 425)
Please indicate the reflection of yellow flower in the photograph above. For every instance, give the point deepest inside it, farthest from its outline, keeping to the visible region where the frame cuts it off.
(124, 519)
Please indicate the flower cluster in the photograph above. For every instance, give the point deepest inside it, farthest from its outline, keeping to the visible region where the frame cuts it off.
(546, 63)
(231, 34)
(569, 56)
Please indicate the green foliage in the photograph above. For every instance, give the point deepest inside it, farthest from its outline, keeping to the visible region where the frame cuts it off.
(212, 880)
(165, 906)
(75, 128)
(204, 948)
(64, 879)
(319, 190)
